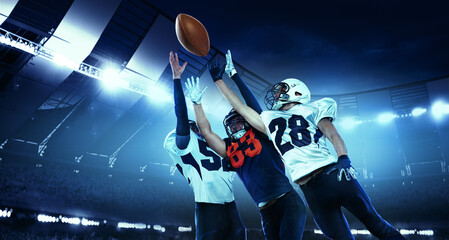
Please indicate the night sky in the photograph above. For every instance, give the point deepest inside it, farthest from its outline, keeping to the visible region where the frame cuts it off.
(334, 46)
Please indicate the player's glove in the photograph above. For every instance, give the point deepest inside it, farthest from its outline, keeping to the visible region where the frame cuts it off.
(230, 69)
(343, 166)
(216, 70)
(194, 91)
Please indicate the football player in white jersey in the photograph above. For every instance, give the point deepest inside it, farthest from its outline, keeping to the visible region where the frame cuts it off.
(298, 129)
(216, 215)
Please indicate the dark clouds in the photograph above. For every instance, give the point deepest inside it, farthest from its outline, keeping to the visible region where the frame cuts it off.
(334, 46)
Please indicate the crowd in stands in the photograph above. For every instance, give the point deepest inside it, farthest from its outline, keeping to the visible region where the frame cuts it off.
(13, 230)
(67, 188)
(410, 200)
(59, 187)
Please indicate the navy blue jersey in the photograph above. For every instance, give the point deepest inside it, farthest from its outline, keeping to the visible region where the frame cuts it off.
(259, 166)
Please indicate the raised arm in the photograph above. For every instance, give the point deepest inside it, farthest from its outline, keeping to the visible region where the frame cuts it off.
(247, 94)
(343, 165)
(182, 118)
(250, 115)
(331, 133)
(212, 139)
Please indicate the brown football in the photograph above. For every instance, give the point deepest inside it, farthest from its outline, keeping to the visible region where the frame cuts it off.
(192, 35)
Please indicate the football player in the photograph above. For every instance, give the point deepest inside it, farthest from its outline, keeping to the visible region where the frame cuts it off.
(216, 215)
(253, 157)
(299, 129)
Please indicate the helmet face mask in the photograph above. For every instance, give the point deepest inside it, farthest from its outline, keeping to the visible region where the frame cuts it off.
(280, 91)
(288, 91)
(235, 125)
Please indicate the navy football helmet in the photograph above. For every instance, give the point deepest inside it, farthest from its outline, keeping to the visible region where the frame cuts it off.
(235, 125)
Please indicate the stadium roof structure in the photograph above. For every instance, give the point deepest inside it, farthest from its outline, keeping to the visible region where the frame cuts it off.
(58, 56)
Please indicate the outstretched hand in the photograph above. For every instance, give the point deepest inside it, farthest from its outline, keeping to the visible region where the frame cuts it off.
(216, 70)
(349, 174)
(343, 168)
(230, 69)
(175, 67)
(194, 91)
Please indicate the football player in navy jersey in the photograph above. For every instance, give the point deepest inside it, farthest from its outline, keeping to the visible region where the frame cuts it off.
(255, 160)
(299, 129)
(216, 215)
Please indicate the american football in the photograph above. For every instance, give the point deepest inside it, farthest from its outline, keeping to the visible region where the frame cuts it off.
(192, 35)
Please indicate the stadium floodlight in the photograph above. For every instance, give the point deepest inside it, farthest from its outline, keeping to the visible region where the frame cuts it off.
(140, 225)
(360, 232)
(74, 220)
(425, 232)
(46, 218)
(110, 73)
(5, 213)
(18, 42)
(386, 117)
(60, 60)
(349, 122)
(157, 227)
(125, 225)
(132, 225)
(87, 222)
(185, 229)
(158, 94)
(37, 49)
(110, 77)
(439, 109)
(407, 231)
(418, 111)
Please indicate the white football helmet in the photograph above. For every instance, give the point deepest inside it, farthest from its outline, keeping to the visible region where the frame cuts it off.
(287, 91)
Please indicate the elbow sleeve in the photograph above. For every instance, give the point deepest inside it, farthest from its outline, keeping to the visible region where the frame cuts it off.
(182, 125)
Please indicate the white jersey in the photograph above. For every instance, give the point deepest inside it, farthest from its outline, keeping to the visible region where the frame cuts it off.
(202, 168)
(297, 138)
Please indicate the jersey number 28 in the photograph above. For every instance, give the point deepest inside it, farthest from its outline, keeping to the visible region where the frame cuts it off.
(299, 134)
